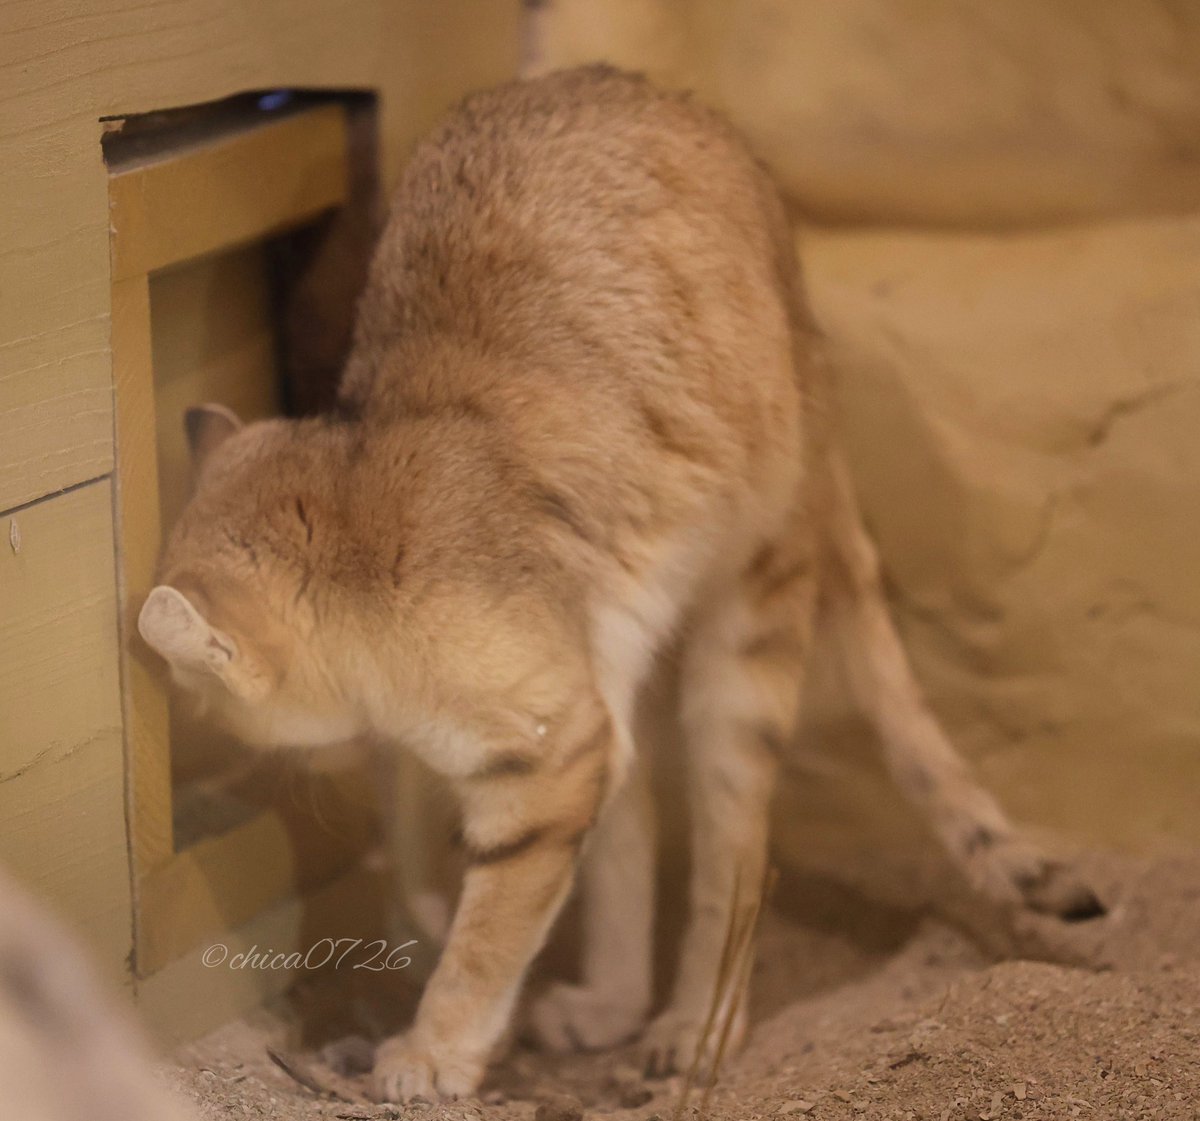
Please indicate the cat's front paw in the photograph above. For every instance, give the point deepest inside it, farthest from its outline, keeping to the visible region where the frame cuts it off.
(404, 1071)
(677, 1041)
(577, 1018)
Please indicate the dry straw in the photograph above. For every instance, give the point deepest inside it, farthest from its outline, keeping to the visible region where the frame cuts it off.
(729, 988)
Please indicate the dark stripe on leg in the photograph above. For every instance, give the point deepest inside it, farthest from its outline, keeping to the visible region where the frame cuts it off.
(510, 764)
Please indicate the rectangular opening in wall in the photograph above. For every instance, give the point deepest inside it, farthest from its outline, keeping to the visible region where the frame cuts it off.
(241, 233)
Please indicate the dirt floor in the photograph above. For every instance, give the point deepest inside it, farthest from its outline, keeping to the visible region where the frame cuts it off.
(863, 1009)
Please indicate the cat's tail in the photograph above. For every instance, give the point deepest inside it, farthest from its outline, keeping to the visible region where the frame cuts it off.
(997, 858)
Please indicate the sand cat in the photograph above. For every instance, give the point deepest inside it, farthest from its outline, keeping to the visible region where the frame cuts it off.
(582, 417)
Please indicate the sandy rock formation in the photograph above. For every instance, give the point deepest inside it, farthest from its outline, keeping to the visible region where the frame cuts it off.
(973, 113)
(1022, 415)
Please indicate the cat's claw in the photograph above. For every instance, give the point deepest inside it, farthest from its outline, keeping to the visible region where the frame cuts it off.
(1013, 869)
(1057, 889)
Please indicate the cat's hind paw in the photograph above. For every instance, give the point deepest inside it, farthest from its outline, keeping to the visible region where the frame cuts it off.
(676, 1042)
(577, 1018)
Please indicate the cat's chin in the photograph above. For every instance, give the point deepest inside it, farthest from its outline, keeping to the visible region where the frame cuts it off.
(283, 730)
(332, 758)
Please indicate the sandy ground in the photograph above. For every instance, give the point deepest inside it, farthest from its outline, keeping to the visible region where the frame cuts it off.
(863, 1009)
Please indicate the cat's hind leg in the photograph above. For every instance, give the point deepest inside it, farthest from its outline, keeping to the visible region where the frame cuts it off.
(741, 679)
(998, 859)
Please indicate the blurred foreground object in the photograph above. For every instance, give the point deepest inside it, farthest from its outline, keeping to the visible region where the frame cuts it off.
(67, 1052)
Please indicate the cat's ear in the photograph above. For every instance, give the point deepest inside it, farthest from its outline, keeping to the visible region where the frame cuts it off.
(170, 623)
(207, 428)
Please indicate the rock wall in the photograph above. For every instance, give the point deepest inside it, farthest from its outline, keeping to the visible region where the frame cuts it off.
(1010, 285)
(1022, 415)
(945, 111)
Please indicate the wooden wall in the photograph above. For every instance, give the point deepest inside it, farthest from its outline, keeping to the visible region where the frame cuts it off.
(64, 64)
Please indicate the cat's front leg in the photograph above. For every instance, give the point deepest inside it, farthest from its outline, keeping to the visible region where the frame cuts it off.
(523, 826)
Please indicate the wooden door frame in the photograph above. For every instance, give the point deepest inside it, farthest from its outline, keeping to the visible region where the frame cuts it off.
(210, 194)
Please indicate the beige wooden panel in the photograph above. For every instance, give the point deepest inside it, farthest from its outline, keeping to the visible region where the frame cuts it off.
(62, 800)
(64, 65)
(55, 402)
(240, 188)
(55, 377)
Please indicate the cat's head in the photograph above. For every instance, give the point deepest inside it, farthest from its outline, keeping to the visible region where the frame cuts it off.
(230, 616)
